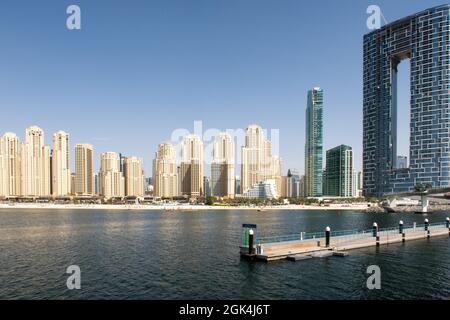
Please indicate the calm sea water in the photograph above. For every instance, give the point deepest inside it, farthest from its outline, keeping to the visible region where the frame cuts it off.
(194, 255)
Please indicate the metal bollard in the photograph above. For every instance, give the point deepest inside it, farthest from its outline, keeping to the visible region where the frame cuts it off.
(250, 241)
(259, 249)
(327, 236)
(375, 229)
(447, 223)
(427, 228)
(375, 233)
(401, 230)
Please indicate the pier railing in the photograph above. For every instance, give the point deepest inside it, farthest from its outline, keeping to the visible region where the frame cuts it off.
(307, 236)
(347, 236)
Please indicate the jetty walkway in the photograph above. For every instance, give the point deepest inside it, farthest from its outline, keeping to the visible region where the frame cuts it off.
(320, 244)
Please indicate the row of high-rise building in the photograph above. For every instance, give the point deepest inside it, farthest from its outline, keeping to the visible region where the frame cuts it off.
(26, 168)
(33, 169)
(187, 179)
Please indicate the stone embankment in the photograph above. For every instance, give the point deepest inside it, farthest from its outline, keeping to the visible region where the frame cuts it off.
(431, 208)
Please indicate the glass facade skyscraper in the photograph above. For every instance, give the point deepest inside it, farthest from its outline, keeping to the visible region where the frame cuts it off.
(423, 38)
(314, 143)
(340, 172)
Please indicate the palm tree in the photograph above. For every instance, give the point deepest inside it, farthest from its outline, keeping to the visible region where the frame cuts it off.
(422, 187)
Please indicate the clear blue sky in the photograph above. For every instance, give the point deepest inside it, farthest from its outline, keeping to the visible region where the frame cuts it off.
(139, 69)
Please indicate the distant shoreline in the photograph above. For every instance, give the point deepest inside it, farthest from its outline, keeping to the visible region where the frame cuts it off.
(357, 207)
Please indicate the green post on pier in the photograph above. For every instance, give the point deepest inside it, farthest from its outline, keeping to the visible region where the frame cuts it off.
(247, 229)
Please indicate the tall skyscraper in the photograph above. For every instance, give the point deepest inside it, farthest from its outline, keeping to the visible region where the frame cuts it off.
(10, 165)
(257, 161)
(359, 184)
(324, 182)
(238, 185)
(340, 181)
(292, 184)
(148, 185)
(84, 169)
(314, 143)
(72, 183)
(60, 164)
(207, 186)
(112, 184)
(302, 187)
(35, 164)
(191, 167)
(122, 163)
(360, 180)
(134, 176)
(423, 38)
(96, 184)
(287, 186)
(222, 167)
(46, 171)
(165, 174)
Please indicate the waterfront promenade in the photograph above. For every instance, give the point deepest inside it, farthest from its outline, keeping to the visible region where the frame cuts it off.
(178, 207)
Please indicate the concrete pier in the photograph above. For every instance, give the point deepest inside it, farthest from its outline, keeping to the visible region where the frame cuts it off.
(317, 247)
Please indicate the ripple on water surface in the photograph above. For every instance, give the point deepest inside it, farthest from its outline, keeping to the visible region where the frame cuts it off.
(194, 255)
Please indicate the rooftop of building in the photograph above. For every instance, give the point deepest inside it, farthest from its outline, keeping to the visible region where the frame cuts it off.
(409, 17)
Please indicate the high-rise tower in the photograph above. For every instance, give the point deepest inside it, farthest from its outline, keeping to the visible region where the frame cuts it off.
(314, 143)
(112, 184)
(423, 38)
(35, 164)
(10, 184)
(60, 164)
(84, 169)
(191, 167)
(257, 160)
(222, 167)
(165, 175)
(134, 176)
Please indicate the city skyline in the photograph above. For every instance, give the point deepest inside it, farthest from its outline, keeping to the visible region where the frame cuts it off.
(261, 153)
(69, 83)
(32, 169)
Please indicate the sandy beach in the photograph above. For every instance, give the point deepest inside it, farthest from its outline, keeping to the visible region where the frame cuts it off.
(181, 207)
